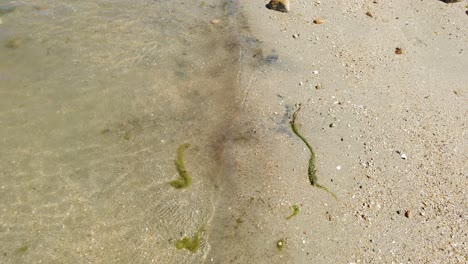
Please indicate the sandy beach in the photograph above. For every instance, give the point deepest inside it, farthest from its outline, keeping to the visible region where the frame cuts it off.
(160, 132)
(383, 88)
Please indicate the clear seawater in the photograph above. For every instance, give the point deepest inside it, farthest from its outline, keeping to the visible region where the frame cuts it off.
(95, 99)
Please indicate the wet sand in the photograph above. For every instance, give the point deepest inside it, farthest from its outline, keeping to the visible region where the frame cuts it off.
(388, 128)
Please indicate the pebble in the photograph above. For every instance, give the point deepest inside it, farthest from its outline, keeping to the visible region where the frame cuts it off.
(407, 213)
(338, 167)
(369, 14)
(280, 244)
(295, 36)
(279, 5)
(398, 51)
(403, 156)
(319, 21)
(215, 21)
(315, 72)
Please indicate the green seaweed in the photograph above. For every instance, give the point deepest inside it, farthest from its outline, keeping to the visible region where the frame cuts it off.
(312, 171)
(14, 43)
(191, 244)
(296, 210)
(185, 180)
(239, 222)
(127, 135)
(22, 249)
(280, 244)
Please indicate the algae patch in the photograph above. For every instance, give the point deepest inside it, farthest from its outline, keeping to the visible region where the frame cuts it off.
(239, 221)
(14, 43)
(312, 171)
(185, 180)
(296, 210)
(22, 249)
(191, 244)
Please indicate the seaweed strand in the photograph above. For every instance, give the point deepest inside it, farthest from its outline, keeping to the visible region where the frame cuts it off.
(295, 211)
(185, 180)
(312, 171)
(191, 244)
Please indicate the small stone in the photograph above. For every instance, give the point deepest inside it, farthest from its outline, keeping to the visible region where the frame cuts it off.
(315, 72)
(403, 156)
(295, 36)
(279, 5)
(407, 213)
(318, 86)
(398, 51)
(319, 21)
(369, 14)
(332, 125)
(338, 167)
(280, 244)
(215, 21)
(301, 83)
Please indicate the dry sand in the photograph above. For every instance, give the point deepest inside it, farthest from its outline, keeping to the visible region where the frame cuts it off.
(389, 132)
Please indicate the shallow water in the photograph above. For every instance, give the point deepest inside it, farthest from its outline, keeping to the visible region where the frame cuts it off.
(95, 99)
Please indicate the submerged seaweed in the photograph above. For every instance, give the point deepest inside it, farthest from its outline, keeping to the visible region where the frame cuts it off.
(185, 180)
(191, 244)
